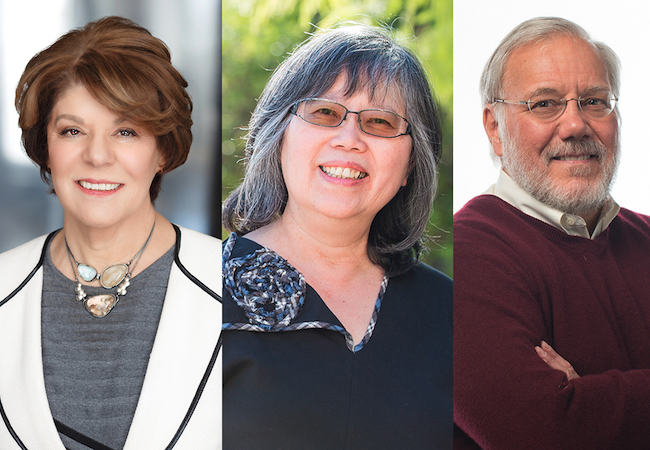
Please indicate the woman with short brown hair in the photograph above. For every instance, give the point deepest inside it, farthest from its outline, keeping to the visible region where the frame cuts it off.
(109, 326)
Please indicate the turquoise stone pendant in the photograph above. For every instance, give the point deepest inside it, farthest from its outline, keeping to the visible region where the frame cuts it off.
(88, 273)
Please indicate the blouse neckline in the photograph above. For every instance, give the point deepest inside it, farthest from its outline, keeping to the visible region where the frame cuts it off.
(272, 293)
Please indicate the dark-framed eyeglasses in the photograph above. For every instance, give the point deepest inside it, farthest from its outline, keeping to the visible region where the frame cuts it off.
(327, 113)
(595, 105)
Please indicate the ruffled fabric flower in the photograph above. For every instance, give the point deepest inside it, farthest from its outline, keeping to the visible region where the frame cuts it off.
(269, 289)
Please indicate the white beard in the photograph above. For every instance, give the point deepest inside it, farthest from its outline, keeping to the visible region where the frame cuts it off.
(580, 197)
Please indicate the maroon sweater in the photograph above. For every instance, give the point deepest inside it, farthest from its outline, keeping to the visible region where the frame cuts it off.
(518, 281)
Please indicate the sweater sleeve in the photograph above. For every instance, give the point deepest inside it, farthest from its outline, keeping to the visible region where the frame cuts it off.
(505, 396)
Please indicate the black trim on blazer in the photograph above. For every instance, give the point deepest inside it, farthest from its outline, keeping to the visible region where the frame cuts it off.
(208, 370)
(213, 359)
(5, 419)
(13, 434)
(79, 437)
(186, 272)
(33, 272)
(197, 396)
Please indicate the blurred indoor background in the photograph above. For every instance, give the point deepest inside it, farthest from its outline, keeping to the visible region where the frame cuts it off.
(190, 28)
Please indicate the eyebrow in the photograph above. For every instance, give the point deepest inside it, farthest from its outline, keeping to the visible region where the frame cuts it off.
(78, 119)
(70, 117)
(549, 91)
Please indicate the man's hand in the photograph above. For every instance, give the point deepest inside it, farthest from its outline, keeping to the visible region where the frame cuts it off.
(555, 361)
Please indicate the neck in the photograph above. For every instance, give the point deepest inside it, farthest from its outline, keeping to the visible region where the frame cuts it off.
(108, 244)
(101, 247)
(331, 244)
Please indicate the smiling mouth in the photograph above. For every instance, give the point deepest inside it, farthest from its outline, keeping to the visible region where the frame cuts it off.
(343, 172)
(574, 158)
(99, 186)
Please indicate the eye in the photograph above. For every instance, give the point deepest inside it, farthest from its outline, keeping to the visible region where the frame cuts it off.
(321, 112)
(70, 132)
(326, 112)
(378, 119)
(544, 104)
(127, 132)
(594, 102)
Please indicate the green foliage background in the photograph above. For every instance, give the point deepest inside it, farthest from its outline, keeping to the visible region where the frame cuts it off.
(258, 34)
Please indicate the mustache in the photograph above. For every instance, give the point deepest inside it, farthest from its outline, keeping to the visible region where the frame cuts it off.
(575, 148)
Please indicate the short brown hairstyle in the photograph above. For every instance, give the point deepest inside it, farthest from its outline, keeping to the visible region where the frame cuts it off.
(127, 70)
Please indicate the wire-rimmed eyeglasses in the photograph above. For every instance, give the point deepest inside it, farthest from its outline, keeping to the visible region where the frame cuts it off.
(327, 113)
(596, 105)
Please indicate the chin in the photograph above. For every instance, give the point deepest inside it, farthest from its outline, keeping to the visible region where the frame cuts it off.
(95, 217)
(577, 196)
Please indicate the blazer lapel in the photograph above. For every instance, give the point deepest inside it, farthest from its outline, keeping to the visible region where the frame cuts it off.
(22, 386)
(186, 339)
(187, 335)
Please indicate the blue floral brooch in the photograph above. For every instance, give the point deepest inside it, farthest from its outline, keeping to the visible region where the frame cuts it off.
(269, 289)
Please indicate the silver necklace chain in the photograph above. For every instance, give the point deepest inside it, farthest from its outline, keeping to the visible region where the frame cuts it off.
(115, 275)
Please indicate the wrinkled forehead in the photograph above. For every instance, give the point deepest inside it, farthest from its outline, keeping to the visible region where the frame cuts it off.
(561, 62)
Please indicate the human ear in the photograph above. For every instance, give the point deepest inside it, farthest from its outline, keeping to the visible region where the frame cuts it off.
(491, 126)
(160, 164)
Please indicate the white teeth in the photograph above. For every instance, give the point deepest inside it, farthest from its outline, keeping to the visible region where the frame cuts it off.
(574, 158)
(347, 173)
(99, 187)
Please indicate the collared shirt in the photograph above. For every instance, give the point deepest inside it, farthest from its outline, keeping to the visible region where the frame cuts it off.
(509, 191)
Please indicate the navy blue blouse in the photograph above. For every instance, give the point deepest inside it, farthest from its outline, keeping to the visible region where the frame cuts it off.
(294, 380)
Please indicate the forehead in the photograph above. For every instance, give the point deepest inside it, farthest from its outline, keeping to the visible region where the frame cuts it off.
(374, 94)
(77, 97)
(564, 64)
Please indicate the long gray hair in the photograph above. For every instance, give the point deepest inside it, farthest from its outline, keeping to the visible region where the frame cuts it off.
(372, 62)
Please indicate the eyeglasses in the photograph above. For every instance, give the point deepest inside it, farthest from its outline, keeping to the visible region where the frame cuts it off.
(326, 113)
(594, 106)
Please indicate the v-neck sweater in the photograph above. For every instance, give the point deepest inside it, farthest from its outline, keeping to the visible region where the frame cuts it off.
(519, 281)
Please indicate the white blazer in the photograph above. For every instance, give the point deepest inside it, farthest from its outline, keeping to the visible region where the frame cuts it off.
(180, 403)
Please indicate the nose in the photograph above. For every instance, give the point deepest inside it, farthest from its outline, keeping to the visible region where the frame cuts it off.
(349, 135)
(572, 123)
(98, 151)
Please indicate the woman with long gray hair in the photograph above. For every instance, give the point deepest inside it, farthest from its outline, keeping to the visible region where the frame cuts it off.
(335, 336)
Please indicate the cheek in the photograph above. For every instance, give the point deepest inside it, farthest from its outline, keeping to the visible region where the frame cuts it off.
(608, 133)
(402, 164)
(143, 163)
(406, 170)
(292, 172)
(293, 155)
(56, 159)
(531, 138)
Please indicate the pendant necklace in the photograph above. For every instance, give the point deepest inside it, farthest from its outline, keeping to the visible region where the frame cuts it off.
(100, 305)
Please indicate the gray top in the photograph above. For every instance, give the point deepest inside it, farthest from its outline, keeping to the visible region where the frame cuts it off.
(94, 368)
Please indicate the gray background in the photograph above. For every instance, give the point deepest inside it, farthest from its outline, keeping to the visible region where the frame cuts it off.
(191, 29)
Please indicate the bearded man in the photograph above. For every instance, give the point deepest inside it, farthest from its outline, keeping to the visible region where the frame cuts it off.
(551, 289)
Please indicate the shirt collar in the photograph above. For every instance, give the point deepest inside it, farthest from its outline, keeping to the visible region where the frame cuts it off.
(509, 191)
